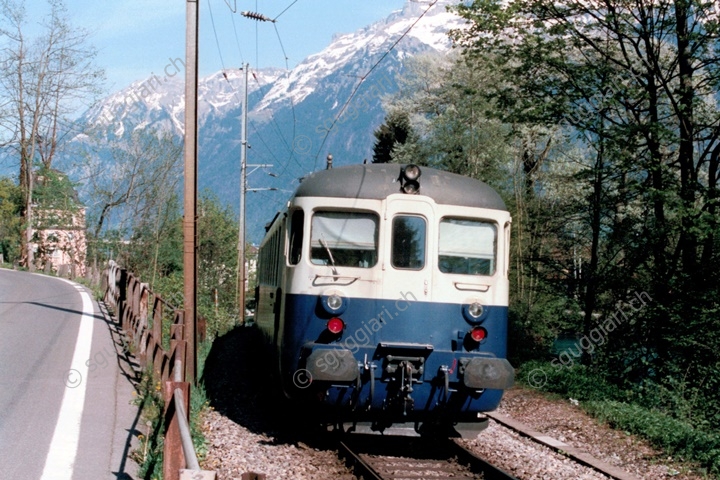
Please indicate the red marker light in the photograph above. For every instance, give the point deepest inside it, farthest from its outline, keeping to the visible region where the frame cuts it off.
(335, 325)
(478, 334)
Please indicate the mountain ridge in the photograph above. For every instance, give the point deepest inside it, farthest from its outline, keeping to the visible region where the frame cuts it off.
(328, 103)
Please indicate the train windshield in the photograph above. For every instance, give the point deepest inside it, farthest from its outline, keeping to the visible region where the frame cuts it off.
(344, 239)
(467, 246)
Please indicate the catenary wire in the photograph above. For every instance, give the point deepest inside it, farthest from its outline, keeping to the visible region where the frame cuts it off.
(364, 77)
(217, 40)
(286, 9)
(233, 9)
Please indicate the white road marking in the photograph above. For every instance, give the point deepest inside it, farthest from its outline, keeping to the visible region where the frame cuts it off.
(60, 461)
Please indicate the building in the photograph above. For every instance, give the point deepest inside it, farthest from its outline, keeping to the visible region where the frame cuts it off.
(59, 240)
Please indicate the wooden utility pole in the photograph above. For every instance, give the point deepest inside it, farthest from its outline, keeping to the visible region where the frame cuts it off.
(190, 188)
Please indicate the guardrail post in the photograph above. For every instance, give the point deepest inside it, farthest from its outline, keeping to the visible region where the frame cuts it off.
(142, 326)
(173, 457)
(122, 285)
(143, 307)
(122, 304)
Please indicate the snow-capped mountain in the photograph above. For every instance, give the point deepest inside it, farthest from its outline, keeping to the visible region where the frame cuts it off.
(159, 102)
(345, 50)
(328, 103)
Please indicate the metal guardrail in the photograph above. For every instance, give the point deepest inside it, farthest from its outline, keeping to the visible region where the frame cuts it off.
(185, 437)
(134, 304)
(143, 314)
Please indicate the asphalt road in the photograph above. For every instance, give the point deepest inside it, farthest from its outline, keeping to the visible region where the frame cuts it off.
(65, 396)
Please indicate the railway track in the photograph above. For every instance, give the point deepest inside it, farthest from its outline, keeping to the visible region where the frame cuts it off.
(395, 457)
(402, 458)
(577, 455)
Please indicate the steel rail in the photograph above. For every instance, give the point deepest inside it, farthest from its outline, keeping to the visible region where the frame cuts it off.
(446, 451)
(576, 454)
(361, 468)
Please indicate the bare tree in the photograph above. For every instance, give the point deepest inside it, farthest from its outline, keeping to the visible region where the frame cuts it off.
(132, 189)
(43, 79)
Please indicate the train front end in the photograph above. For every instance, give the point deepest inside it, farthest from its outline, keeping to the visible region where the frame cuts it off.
(394, 315)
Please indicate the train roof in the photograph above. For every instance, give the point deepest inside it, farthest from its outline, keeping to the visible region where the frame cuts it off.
(377, 181)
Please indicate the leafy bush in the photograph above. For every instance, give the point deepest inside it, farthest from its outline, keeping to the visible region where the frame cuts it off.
(673, 436)
(577, 381)
(10, 221)
(634, 409)
(533, 327)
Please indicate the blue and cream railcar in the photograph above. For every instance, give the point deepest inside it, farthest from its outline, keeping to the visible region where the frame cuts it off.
(383, 293)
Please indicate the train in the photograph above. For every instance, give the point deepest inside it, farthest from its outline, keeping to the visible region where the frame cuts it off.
(382, 298)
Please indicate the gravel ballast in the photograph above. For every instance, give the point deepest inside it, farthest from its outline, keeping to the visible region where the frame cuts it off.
(247, 431)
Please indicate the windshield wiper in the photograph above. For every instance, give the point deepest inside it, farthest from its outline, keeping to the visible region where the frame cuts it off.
(324, 244)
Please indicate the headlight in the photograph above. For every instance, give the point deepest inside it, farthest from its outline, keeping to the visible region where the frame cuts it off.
(412, 172)
(333, 302)
(409, 179)
(475, 310)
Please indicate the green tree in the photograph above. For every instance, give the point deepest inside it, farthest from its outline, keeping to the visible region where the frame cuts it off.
(217, 263)
(54, 190)
(395, 131)
(154, 253)
(634, 86)
(10, 220)
(155, 247)
(454, 131)
(644, 68)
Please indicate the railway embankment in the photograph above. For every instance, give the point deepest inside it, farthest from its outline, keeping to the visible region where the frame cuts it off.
(247, 431)
(564, 421)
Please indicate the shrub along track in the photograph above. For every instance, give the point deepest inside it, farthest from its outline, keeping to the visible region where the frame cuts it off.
(566, 421)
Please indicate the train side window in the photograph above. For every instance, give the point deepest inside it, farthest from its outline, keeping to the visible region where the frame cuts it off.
(467, 246)
(408, 242)
(297, 222)
(344, 239)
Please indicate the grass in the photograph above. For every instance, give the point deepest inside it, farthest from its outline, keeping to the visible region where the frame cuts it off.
(623, 409)
(199, 403)
(149, 454)
(673, 436)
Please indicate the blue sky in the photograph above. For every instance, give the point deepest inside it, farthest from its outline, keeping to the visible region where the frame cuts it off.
(136, 38)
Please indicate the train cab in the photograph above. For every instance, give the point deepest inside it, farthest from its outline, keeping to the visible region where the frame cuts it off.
(383, 293)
